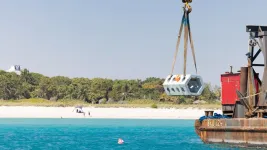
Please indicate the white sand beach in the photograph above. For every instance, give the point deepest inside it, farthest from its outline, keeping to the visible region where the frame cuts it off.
(69, 112)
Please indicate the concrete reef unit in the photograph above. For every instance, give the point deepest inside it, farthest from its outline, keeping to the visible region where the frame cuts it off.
(183, 85)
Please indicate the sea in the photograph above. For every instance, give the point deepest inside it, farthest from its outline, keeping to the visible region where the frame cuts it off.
(101, 134)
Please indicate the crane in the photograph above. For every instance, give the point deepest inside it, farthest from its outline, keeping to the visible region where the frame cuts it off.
(247, 124)
(184, 84)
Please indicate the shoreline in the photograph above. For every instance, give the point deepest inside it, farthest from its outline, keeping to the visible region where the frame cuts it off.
(101, 113)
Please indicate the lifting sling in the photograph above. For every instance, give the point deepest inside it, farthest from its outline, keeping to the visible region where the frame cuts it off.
(187, 34)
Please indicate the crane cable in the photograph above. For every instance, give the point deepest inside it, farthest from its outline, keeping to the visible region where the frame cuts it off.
(187, 33)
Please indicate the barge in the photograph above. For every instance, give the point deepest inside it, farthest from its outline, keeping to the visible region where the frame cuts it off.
(244, 101)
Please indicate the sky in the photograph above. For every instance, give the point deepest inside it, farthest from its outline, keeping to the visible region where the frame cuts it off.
(125, 39)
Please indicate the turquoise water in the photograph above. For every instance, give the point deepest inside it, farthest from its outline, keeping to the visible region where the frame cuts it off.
(82, 134)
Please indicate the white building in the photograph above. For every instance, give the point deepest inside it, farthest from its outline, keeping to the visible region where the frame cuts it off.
(15, 68)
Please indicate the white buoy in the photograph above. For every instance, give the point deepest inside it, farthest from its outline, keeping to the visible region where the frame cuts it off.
(120, 141)
(183, 85)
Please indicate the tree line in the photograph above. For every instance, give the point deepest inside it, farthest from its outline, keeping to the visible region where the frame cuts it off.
(97, 90)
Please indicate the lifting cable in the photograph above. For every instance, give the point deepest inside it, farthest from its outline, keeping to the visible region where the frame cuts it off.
(187, 33)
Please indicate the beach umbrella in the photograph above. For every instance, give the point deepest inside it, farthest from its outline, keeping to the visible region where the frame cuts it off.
(77, 107)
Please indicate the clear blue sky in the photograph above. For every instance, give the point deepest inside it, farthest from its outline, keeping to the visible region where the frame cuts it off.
(122, 39)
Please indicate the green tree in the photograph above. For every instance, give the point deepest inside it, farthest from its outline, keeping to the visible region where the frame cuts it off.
(208, 94)
(100, 88)
(152, 88)
(35, 85)
(10, 86)
(79, 89)
(46, 88)
(60, 84)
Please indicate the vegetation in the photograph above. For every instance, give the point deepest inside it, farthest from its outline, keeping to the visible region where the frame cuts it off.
(154, 106)
(36, 89)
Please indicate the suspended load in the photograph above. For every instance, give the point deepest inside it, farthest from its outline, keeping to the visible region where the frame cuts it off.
(185, 84)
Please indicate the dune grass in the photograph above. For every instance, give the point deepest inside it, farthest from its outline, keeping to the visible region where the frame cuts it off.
(126, 104)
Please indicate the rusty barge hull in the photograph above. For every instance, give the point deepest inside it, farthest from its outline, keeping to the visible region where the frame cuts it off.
(242, 131)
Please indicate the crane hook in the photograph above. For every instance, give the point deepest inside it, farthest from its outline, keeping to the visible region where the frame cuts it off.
(187, 7)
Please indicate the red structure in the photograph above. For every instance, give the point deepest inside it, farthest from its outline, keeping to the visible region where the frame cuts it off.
(230, 82)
